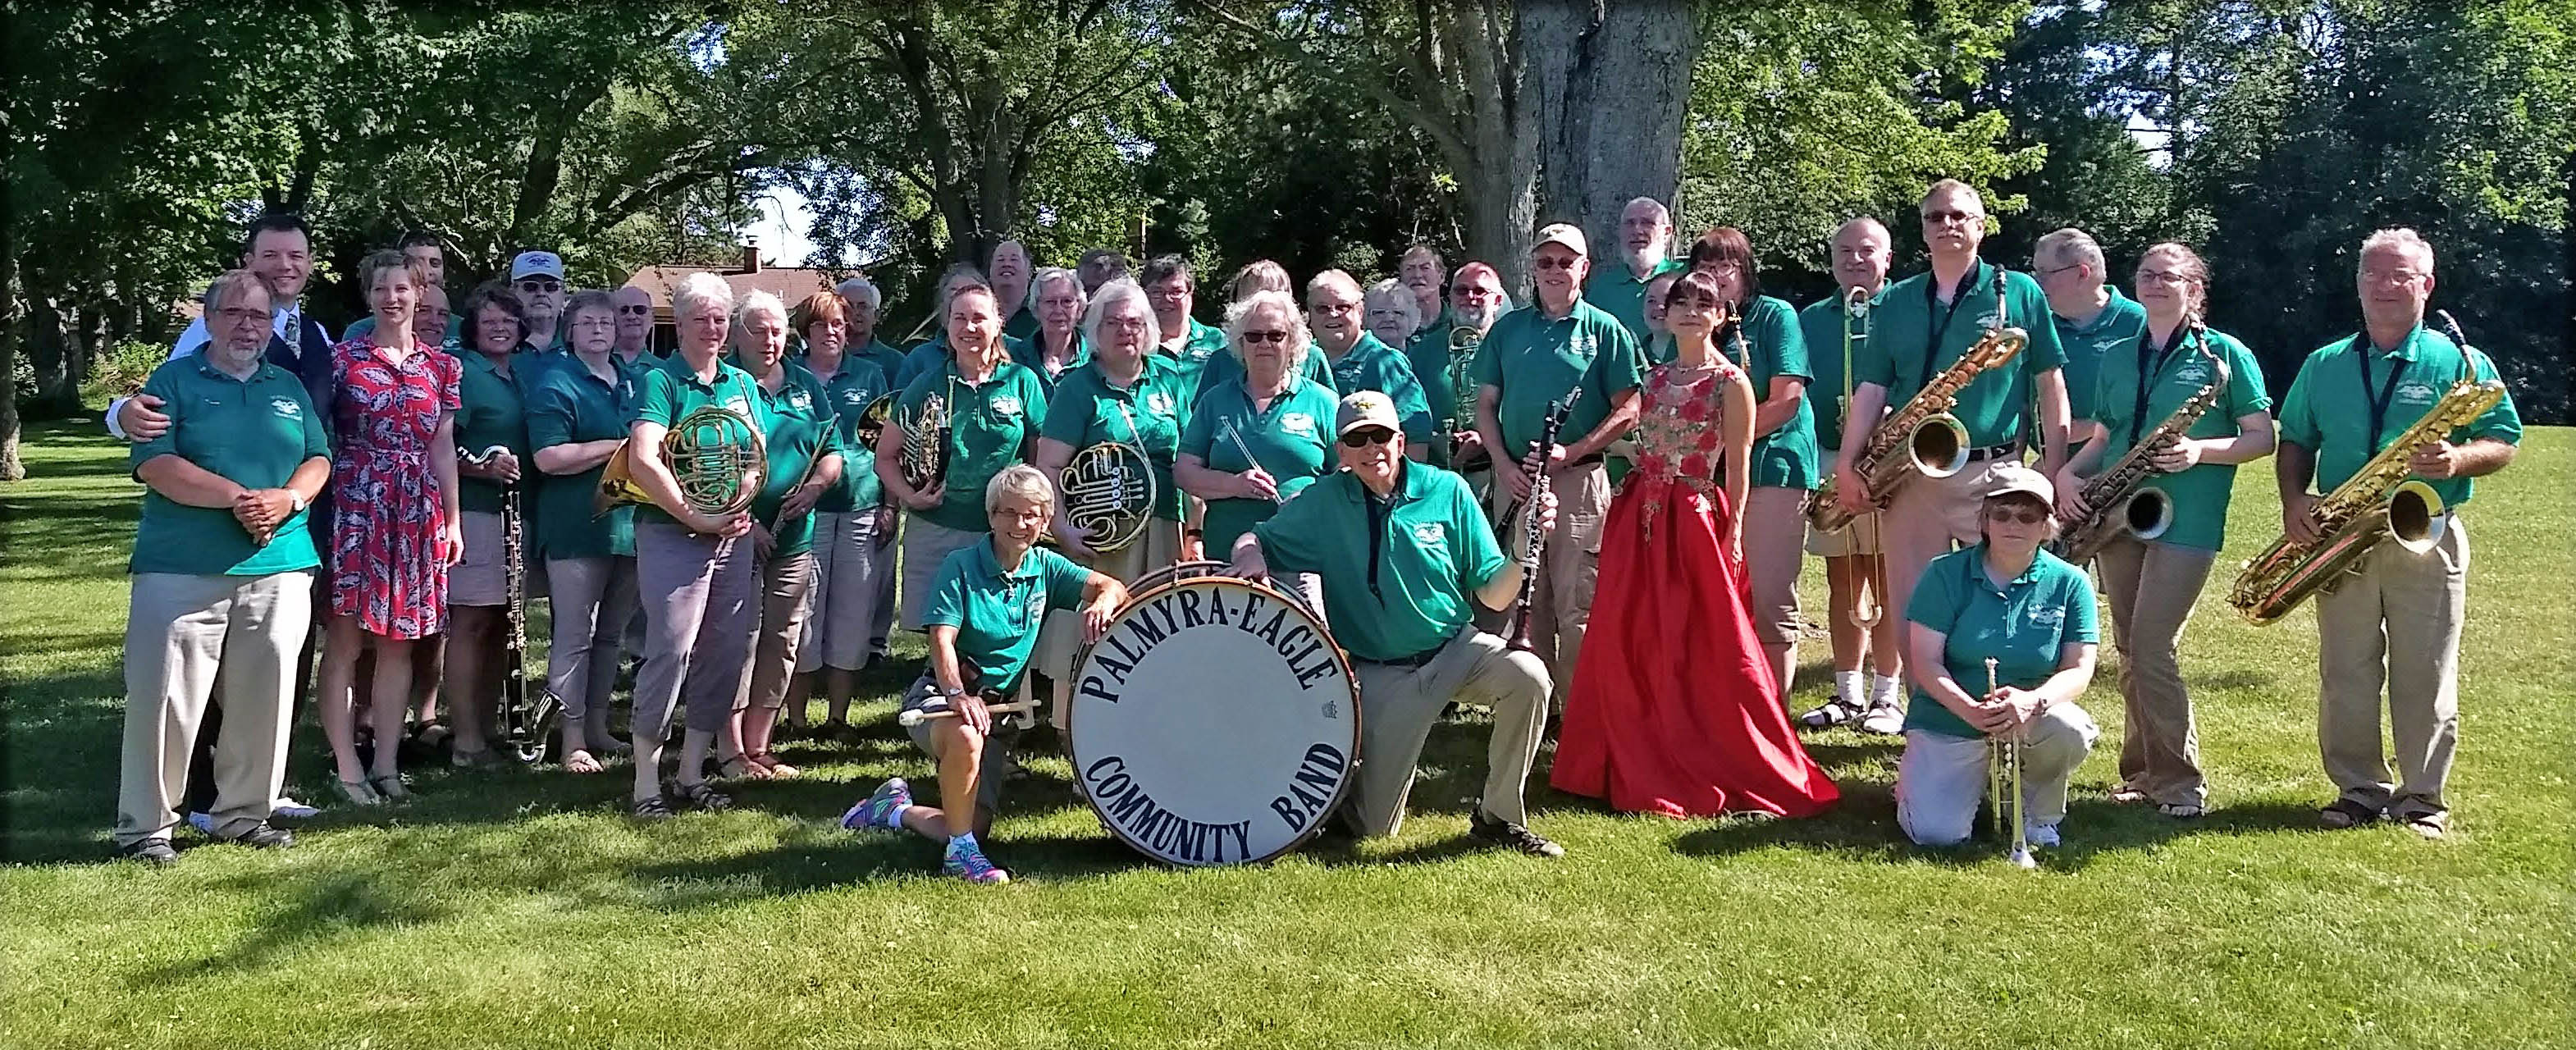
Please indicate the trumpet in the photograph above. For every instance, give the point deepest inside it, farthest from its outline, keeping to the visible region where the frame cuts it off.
(2003, 785)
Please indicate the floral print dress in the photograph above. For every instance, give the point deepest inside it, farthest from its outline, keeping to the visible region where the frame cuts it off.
(388, 565)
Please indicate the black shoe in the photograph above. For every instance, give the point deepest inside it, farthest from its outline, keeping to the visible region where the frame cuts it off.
(264, 835)
(1502, 832)
(155, 852)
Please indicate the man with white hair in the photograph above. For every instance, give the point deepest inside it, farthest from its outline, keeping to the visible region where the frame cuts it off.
(1476, 301)
(1837, 332)
(2396, 619)
(1645, 244)
(2090, 314)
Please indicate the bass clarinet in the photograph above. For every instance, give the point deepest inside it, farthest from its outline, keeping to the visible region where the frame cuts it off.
(1534, 467)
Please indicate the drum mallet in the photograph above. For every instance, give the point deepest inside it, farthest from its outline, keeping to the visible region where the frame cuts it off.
(917, 716)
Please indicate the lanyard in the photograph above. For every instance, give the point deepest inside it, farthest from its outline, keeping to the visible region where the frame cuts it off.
(2387, 391)
(2147, 376)
(1941, 325)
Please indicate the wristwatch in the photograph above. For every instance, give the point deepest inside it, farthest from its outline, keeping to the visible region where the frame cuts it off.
(295, 500)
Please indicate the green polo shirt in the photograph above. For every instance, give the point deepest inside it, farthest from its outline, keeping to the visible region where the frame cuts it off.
(2116, 328)
(928, 354)
(1205, 343)
(1623, 295)
(1088, 409)
(1373, 365)
(2327, 410)
(1534, 359)
(671, 391)
(1908, 324)
(1225, 370)
(990, 427)
(1023, 323)
(887, 359)
(495, 412)
(798, 426)
(254, 433)
(857, 384)
(1028, 354)
(1292, 440)
(1399, 580)
(1438, 371)
(567, 406)
(1821, 324)
(997, 614)
(2200, 493)
(2021, 625)
(1786, 457)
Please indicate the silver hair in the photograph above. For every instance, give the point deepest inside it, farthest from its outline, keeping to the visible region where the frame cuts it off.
(1038, 283)
(2398, 237)
(1662, 213)
(228, 288)
(1120, 291)
(1393, 291)
(759, 302)
(1019, 479)
(861, 288)
(1298, 338)
(698, 290)
(2068, 247)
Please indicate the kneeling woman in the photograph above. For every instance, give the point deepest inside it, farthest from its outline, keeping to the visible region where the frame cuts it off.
(983, 614)
(2030, 612)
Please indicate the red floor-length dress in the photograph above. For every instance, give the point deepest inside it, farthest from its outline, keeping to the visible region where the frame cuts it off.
(1673, 709)
(388, 568)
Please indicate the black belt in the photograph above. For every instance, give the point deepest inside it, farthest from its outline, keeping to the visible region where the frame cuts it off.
(1586, 461)
(1417, 659)
(2007, 450)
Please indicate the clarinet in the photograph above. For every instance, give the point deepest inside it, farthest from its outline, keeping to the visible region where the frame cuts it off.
(514, 649)
(1535, 467)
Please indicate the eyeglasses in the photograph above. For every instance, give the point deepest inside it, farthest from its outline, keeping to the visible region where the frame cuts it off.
(2163, 277)
(2061, 269)
(2025, 515)
(1549, 262)
(1366, 437)
(647, 308)
(240, 314)
(1265, 336)
(1944, 218)
(540, 286)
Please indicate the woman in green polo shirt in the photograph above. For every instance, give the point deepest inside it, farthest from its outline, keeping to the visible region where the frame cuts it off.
(979, 412)
(1767, 342)
(852, 522)
(577, 416)
(1258, 440)
(223, 575)
(2008, 601)
(2154, 582)
(492, 389)
(1056, 349)
(801, 435)
(984, 608)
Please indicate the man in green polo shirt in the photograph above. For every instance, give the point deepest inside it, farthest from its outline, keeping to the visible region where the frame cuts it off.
(2398, 617)
(1402, 549)
(1645, 249)
(1560, 347)
(2089, 313)
(1836, 334)
(1360, 360)
(1446, 370)
(1424, 273)
(1924, 325)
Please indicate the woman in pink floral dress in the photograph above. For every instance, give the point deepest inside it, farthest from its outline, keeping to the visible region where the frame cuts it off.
(395, 528)
(1673, 709)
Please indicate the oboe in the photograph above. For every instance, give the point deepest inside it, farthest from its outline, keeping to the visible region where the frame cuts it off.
(1534, 466)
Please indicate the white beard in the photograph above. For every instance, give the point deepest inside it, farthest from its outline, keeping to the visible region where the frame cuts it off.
(1640, 260)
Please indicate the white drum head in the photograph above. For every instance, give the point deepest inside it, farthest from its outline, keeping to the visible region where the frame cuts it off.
(1215, 723)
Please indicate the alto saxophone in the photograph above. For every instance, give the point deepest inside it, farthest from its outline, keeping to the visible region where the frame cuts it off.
(1921, 438)
(2116, 501)
(2379, 502)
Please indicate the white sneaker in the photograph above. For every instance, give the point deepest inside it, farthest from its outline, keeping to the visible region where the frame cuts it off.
(2041, 835)
(1884, 719)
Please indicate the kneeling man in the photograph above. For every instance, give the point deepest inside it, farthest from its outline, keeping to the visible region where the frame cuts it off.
(1400, 546)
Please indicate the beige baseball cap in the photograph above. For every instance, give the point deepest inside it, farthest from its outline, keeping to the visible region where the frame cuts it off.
(1561, 233)
(2006, 480)
(1367, 408)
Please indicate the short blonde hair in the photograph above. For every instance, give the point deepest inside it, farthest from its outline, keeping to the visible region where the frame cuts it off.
(1258, 275)
(2398, 237)
(1241, 311)
(1947, 187)
(1019, 479)
(698, 290)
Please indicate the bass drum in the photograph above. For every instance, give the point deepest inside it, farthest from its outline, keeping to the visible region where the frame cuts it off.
(1216, 722)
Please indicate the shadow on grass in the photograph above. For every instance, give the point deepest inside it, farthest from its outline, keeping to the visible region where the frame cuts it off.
(318, 907)
(1863, 826)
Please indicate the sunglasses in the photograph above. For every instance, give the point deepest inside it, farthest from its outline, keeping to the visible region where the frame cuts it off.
(2025, 515)
(1943, 218)
(1265, 336)
(1550, 263)
(540, 286)
(1367, 437)
(639, 310)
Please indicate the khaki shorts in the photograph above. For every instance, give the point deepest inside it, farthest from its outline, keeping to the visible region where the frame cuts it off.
(926, 545)
(482, 579)
(997, 747)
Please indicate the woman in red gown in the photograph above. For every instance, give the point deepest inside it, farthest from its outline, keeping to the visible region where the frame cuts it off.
(1674, 710)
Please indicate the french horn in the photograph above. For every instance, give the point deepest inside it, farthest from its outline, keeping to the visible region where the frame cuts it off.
(716, 455)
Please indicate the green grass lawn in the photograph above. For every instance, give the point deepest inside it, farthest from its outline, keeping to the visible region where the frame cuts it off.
(523, 908)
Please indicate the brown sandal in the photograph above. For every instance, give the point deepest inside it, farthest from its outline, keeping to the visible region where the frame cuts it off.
(777, 770)
(741, 767)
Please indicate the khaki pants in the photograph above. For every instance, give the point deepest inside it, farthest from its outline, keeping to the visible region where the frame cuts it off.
(179, 630)
(1399, 704)
(1941, 780)
(841, 606)
(2152, 587)
(1774, 535)
(784, 585)
(1561, 603)
(594, 600)
(698, 594)
(2395, 623)
(1928, 516)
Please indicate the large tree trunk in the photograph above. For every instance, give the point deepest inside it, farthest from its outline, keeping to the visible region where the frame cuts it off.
(51, 352)
(1611, 82)
(1499, 167)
